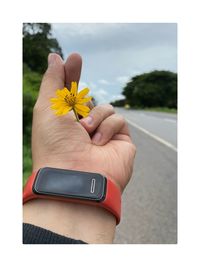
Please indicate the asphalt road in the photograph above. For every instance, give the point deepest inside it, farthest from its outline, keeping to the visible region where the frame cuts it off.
(149, 202)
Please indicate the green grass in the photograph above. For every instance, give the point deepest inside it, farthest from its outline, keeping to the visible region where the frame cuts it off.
(31, 84)
(27, 162)
(168, 110)
(158, 109)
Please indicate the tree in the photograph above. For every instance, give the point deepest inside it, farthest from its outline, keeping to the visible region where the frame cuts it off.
(37, 44)
(31, 84)
(118, 103)
(154, 89)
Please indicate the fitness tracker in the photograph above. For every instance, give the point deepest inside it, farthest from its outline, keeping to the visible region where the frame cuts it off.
(74, 186)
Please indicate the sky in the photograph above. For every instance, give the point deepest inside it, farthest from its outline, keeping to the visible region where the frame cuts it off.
(115, 52)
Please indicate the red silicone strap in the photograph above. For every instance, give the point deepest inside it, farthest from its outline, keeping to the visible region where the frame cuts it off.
(112, 201)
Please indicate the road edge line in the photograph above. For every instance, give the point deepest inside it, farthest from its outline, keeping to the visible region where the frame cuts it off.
(157, 138)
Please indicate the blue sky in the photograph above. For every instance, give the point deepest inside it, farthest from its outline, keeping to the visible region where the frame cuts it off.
(114, 52)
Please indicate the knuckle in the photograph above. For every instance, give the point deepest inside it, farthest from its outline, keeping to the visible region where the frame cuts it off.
(107, 132)
(106, 108)
(101, 113)
(101, 110)
(96, 112)
(110, 108)
(121, 118)
(133, 149)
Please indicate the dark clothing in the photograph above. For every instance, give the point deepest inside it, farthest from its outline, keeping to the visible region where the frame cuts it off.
(36, 235)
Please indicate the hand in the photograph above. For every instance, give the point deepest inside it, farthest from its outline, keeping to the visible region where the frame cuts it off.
(101, 143)
(62, 142)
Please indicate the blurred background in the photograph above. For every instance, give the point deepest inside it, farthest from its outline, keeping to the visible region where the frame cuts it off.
(133, 66)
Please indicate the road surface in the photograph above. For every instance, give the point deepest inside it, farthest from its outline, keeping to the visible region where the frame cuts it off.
(149, 209)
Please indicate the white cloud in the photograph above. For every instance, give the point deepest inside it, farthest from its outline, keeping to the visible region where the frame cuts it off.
(123, 79)
(102, 92)
(102, 81)
(117, 97)
(126, 78)
(92, 85)
(82, 84)
(101, 96)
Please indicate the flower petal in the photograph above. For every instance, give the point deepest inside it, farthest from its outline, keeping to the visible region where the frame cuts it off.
(62, 93)
(60, 111)
(84, 100)
(82, 113)
(74, 88)
(82, 108)
(57, 100)
(66, 110)
(83, 92)
(66, 91)
(54, 100)
(59, 105)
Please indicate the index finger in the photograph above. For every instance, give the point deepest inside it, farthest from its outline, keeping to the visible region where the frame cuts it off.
(73, 66)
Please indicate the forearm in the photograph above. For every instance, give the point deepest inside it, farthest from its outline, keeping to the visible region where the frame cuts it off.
(79, 221)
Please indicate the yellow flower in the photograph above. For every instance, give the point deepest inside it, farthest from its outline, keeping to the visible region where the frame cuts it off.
(71, 100)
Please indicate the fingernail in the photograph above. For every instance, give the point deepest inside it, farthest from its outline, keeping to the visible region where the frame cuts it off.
(51, 58)
(88, 120)
(96, 138)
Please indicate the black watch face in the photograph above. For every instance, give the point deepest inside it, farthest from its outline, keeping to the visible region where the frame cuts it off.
(70, 184)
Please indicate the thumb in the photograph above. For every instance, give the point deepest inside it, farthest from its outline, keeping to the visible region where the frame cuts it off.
(54, 78)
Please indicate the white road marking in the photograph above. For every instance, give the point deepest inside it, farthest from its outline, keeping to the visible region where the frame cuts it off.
(159, 118)
(157, 138)
(170, 120)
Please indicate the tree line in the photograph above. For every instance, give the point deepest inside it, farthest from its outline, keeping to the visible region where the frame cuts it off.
(154, 89)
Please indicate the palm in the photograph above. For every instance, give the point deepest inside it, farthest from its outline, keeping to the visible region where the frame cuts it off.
(70, 146)
(63, 143)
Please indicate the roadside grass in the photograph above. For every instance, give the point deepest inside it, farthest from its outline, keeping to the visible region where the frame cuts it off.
(27, 162)
(167, 110)
(158, 109)
(31, 83)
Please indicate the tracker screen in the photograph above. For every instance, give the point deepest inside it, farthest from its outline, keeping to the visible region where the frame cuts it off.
(68, 183)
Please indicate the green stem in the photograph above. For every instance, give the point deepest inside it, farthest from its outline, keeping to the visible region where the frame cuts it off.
(76, 115)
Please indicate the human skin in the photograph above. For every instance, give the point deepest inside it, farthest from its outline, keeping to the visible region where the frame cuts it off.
(99, 143)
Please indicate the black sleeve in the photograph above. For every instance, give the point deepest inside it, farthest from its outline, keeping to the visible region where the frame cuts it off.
(36, 235)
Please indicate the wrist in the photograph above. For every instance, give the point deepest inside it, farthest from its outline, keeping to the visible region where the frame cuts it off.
(88, 223)
(81, 165)
(92, 220)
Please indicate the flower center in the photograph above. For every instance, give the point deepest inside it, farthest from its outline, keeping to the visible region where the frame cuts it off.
(70, 100)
